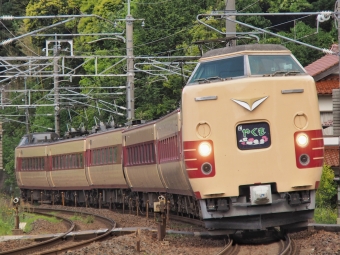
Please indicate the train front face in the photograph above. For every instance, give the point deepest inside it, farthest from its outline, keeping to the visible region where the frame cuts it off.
(252, 139)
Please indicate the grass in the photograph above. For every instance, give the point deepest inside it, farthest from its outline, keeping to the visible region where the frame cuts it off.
(78, 217)
(31, 218)
(7, 216)
(325, 215)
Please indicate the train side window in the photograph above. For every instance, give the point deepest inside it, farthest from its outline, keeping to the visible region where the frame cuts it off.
(130, 155)
(152, 152)
(115, 154)
(134, 149)
(147, 153)
(64, 161)
(81, 160)
(93, 162)
(74, 161)
(142, 154)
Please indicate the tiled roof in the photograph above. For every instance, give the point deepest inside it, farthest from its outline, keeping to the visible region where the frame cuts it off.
(325, 86)
(322, 64)
(331, 156)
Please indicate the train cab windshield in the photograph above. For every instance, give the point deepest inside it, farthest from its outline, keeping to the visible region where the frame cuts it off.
(219, 69)
(273, 65)
(237, 67)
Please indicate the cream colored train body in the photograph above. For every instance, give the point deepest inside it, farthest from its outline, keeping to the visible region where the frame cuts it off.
(245, 151)
(260, 135)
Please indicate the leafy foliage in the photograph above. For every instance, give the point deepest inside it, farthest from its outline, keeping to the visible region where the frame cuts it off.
(327, 188)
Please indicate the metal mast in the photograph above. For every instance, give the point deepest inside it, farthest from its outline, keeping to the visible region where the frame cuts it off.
(56, 88)
(130, 86)
(230, 26)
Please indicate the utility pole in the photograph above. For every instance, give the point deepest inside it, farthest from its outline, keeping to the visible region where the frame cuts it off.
(56, 49)
(130, 86)
(26, 110)
(230, 26)
(130, 82)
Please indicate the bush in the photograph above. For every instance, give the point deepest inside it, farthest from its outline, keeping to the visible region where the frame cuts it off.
(325, 198)
(326, 215)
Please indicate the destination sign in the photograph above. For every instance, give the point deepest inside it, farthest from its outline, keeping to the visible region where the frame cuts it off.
(253, 136)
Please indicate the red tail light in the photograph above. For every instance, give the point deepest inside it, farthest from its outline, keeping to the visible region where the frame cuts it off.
(198, 166)
(309, 152)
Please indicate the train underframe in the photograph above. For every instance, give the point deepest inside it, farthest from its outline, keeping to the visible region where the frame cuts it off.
(288, 210)
(113, 198)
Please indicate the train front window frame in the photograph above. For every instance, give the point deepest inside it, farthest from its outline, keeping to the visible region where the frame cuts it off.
(219, 69)
(273, 65)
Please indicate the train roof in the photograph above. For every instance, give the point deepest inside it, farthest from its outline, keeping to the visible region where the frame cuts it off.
(246, 47)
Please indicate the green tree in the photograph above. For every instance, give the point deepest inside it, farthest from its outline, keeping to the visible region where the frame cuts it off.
(327, 188)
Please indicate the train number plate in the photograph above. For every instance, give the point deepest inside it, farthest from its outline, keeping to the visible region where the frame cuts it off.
(253, 136)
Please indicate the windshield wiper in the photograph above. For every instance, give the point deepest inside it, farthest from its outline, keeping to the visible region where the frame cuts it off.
(214, 78)
(292, 73)
(202, 80)
(207, 80)
(278, 72)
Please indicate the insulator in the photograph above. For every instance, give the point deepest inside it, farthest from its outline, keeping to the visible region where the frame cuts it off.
(7, 17)
(8, 41)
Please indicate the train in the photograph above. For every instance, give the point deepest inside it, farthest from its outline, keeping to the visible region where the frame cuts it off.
(244, 151)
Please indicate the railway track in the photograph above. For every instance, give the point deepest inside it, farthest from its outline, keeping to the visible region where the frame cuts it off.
(289, 246)
(42, 245)
(58, 245)
(285, 246)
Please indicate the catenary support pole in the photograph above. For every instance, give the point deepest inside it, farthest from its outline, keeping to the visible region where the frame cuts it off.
(130, 86)
(56, 89)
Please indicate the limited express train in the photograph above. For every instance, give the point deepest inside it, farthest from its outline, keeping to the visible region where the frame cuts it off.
(244, 151)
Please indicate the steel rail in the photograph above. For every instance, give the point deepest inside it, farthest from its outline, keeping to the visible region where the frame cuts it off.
(61, 250)
(287, 246)
(33, 248)
(227, 248)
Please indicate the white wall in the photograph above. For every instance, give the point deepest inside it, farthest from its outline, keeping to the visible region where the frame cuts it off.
(325, 103)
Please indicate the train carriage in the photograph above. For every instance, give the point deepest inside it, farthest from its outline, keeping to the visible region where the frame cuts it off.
(31, 165)
(252, 138)
(169, 147)
(67, 164)
(104, 161)
(140, 159)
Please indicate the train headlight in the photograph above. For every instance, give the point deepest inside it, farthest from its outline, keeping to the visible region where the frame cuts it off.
(204, 149)
(302, 140)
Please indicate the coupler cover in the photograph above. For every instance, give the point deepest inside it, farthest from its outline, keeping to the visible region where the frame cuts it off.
(260, 195)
